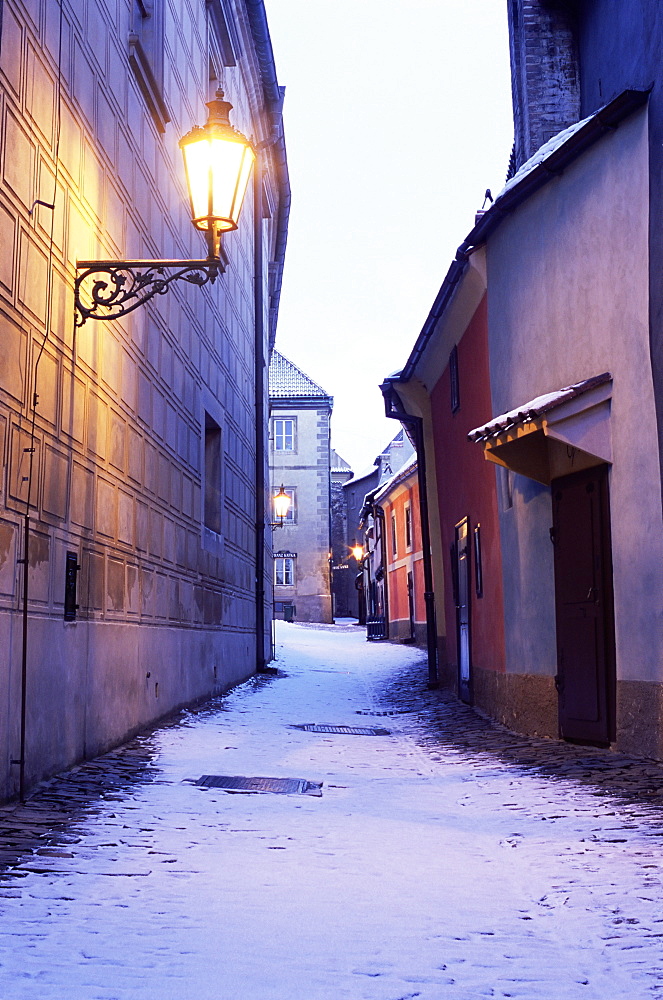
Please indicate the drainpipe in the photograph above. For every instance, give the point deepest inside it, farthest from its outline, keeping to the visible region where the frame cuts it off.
(395, 410)
(259, 376)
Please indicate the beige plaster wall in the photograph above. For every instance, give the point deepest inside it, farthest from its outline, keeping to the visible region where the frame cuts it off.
(568, 299)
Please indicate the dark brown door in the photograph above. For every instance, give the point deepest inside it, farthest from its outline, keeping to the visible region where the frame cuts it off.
(584, 609)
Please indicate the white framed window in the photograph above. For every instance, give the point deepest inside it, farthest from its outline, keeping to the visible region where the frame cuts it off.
(284, 571)
(408, 526)
(394, 536)
(284, 432)
(291, 516)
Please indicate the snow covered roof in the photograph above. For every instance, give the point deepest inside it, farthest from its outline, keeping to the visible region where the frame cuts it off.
(547, 163)
(286, 379)
(541, 155)
(405, 470)
(535, 408)
(357, 478)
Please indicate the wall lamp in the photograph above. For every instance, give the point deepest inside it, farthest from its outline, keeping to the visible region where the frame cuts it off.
(282, 502)
(357, 550)
(218, 161)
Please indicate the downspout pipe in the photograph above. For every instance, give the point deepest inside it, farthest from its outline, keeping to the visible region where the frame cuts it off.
(274, 96)
(259, 377)
(395, 410)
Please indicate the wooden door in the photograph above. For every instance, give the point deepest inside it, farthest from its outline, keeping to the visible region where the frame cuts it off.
(410, 604)
(463, 609)
(584, 607)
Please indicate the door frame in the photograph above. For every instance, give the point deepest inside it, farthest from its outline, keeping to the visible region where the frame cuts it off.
(463, 581)
(571, 729)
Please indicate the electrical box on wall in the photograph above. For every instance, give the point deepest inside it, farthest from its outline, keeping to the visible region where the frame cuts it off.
(70, 585)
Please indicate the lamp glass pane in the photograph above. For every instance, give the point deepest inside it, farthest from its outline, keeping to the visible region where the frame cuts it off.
(197, 162)
(227, 166)
(247, 163)
(282, 504)
(232, 165)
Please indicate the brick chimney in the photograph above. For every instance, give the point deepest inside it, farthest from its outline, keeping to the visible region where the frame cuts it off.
(544, 72)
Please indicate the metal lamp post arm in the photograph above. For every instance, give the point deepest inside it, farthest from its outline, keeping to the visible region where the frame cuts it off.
(114, 288)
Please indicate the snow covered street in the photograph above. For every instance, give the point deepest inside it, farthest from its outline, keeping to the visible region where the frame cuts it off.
(435, 864)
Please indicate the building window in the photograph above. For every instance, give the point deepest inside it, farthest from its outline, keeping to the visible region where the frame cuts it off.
(453, 376)
(408, 527)
(212, 475)
(223, 32)
(284, 429)
(146, 47)
(291, 516)
(284, 571)
(394, 536)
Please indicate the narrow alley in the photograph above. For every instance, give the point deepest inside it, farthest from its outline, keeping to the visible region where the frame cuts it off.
(431, 854)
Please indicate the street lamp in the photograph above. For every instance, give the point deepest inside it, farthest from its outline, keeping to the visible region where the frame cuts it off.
(282, 501)
(357, 550)
(218, 161)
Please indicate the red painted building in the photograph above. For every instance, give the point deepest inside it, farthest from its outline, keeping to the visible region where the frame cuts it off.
(402, 555)
(469, 524)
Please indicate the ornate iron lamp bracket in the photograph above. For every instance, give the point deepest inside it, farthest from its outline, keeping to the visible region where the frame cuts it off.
(109, 289)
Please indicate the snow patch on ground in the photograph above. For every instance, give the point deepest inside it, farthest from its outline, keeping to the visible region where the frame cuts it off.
(446, 876)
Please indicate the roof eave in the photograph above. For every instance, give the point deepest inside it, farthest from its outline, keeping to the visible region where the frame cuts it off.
(605, 120)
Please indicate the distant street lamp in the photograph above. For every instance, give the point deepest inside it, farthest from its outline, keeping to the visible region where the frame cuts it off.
(282, 501)
(357, 550)
(218, 161)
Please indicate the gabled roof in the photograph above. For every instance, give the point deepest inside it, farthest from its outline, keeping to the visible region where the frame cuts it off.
(339, 464)
(287, 380)
(546, 164)
(398, 477)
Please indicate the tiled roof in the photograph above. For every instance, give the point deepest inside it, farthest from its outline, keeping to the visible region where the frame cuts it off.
(536, 408)
(286, 379)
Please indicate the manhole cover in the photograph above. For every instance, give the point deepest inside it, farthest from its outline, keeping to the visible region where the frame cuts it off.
(281, 786)
(391, 711)
(311, 727)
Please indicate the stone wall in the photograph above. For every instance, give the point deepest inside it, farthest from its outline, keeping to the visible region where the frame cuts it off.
(544, 72)
(112, 457)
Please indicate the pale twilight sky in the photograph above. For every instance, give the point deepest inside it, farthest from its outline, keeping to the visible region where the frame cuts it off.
(397, 118)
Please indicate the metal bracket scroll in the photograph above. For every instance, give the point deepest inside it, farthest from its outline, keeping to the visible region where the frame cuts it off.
(107, 289)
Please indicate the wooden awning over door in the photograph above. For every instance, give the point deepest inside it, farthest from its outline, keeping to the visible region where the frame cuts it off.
(554, 434)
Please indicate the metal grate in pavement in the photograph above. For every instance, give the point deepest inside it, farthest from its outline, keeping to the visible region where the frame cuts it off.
(391, 711)
(281, 786)
(311, 727)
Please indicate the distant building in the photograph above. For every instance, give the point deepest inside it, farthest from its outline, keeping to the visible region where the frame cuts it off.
(300, 461)
(344, 594)
(358, 491)
(399, 559)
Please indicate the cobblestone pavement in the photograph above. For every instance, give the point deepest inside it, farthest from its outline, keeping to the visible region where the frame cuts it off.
(451, 859)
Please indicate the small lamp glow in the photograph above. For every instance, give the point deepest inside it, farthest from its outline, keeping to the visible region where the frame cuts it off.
(357, 551)
(282, 503)
(218, 161)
